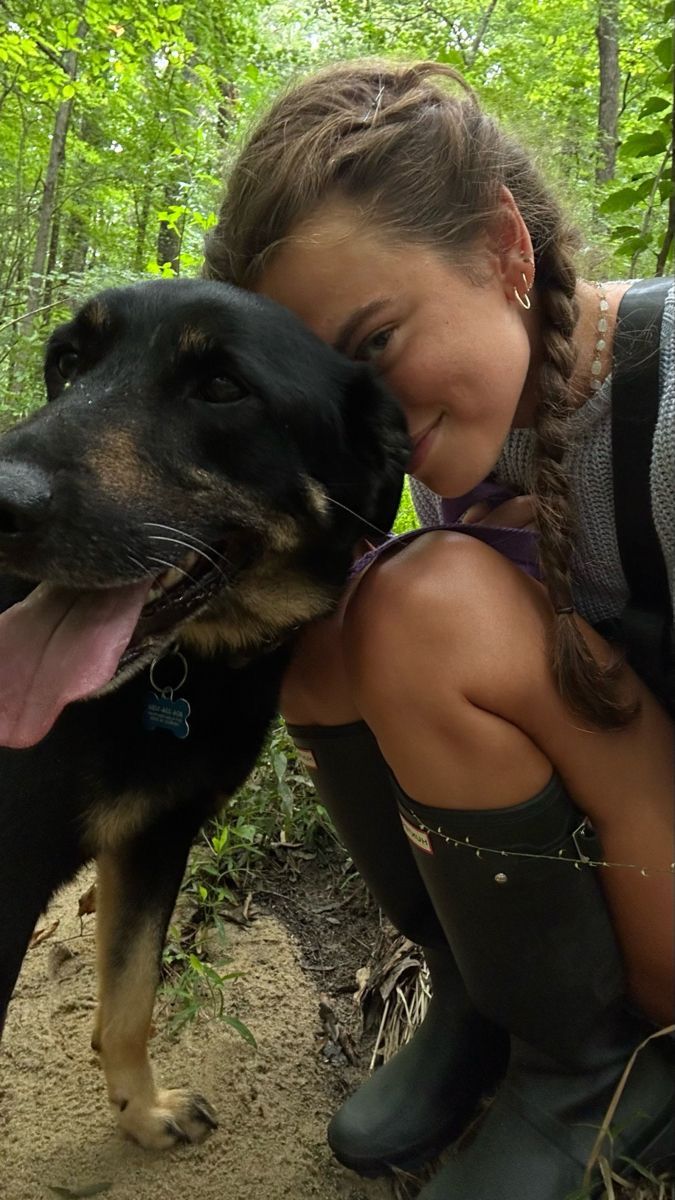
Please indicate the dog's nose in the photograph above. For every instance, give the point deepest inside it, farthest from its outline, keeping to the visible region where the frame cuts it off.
(25, 497)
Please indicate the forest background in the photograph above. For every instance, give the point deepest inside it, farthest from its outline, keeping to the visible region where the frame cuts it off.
(118, 119)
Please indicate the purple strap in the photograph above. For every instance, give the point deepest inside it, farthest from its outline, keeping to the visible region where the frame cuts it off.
(519, 545)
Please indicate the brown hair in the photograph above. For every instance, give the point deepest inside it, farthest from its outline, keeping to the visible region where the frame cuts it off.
(429, 164)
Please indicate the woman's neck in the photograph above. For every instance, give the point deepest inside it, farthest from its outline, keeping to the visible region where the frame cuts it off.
(586, 337)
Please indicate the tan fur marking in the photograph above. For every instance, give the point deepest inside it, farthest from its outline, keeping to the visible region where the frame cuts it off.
(116, 463)
(266, 602)
(110, 825)
(155, 1117)
(317, 498)
(192, 339)
(280, 531)
(96, 314)
(126, 998)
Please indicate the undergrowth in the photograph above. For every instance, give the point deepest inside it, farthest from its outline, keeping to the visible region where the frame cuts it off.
(275, 810)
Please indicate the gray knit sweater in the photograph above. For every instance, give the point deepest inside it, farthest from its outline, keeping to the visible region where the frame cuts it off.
(600, 588)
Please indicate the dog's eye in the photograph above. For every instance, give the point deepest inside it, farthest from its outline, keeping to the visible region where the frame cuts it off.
(224, 391)
(67, 363)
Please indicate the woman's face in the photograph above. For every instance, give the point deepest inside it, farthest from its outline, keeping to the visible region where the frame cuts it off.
(454, 352)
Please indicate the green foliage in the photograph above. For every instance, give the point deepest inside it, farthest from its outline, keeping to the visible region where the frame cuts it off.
(192, 987)
(406, 518)
(277, 806)
(156, 96)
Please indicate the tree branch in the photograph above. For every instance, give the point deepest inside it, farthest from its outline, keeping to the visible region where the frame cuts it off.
(475, 45)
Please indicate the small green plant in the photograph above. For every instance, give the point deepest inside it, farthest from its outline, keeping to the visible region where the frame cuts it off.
(192, 986)
(277, 806)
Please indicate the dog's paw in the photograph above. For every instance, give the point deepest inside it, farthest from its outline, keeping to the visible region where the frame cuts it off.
(175, 1116)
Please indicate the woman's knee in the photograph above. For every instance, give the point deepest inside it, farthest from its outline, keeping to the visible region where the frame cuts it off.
(432, 612)
(418, 634)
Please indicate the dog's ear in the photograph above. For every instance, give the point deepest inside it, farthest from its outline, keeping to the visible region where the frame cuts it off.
(376, 433)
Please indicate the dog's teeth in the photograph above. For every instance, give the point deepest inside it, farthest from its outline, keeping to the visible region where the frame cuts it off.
(171, 577)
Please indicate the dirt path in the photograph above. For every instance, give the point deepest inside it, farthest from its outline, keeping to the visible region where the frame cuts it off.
(272, 1103)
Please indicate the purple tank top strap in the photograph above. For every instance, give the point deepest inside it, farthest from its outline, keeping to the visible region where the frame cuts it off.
(518, 545)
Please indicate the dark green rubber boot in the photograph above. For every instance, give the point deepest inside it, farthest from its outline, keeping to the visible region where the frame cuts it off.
(537, 952)
(422, 1099)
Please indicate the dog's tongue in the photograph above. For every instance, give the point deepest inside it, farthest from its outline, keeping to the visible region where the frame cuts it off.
(57, 646)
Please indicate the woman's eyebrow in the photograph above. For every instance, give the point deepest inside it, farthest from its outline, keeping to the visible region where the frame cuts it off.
(347, 330)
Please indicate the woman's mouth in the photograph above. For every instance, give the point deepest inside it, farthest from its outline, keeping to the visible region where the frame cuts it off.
(422, 445)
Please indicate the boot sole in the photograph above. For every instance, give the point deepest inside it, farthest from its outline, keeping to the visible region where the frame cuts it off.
(414, 1160)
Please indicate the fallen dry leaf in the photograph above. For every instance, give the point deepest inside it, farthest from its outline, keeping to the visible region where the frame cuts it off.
(87, 902)
(41, 935)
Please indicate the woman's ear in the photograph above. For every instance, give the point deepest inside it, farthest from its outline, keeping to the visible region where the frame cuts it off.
(512, 246)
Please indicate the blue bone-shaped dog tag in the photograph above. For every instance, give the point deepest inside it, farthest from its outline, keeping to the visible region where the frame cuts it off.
(163, 712)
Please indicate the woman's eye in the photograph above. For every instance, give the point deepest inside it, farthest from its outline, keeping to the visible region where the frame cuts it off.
(224, 391)
(67, 363)
(373, 347)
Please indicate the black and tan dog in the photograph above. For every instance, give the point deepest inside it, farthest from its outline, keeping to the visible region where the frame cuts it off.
(191, 494)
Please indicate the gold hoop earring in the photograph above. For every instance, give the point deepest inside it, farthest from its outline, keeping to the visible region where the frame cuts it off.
(523, 302)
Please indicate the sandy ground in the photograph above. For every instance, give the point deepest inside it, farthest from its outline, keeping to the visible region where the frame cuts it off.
(273, 1103)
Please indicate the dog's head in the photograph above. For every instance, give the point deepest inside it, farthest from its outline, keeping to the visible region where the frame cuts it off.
(205, 467)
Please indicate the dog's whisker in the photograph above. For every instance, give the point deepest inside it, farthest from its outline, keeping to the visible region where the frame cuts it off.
(183, 533)
(135, 562)
(364, 520)
(156, 537)
(172, 567)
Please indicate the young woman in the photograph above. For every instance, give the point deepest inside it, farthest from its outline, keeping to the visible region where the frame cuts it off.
(396, 218)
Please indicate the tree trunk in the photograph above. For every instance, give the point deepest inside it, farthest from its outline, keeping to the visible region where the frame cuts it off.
(76, 246)
(226, 109)
(169, 236)
(607, 33)
(57, 154)
(142, 217)
(52, 255)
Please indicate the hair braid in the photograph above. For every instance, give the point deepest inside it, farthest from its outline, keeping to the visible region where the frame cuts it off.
(590, 689)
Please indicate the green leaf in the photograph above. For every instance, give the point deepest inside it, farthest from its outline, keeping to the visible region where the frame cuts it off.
(619, 200)
(240, 1028)
(173, 12)
(624, 231)
(664, 52)
(669, 10)
(633, 244)
(640, 145)
(644, 188)
(654, 104)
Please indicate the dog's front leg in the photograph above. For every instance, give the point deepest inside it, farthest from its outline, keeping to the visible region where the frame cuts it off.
(137, 887)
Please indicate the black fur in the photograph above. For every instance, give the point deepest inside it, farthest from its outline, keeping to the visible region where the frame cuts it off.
(215, 414)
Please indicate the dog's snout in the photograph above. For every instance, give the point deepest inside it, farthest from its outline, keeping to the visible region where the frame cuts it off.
(25, 498)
